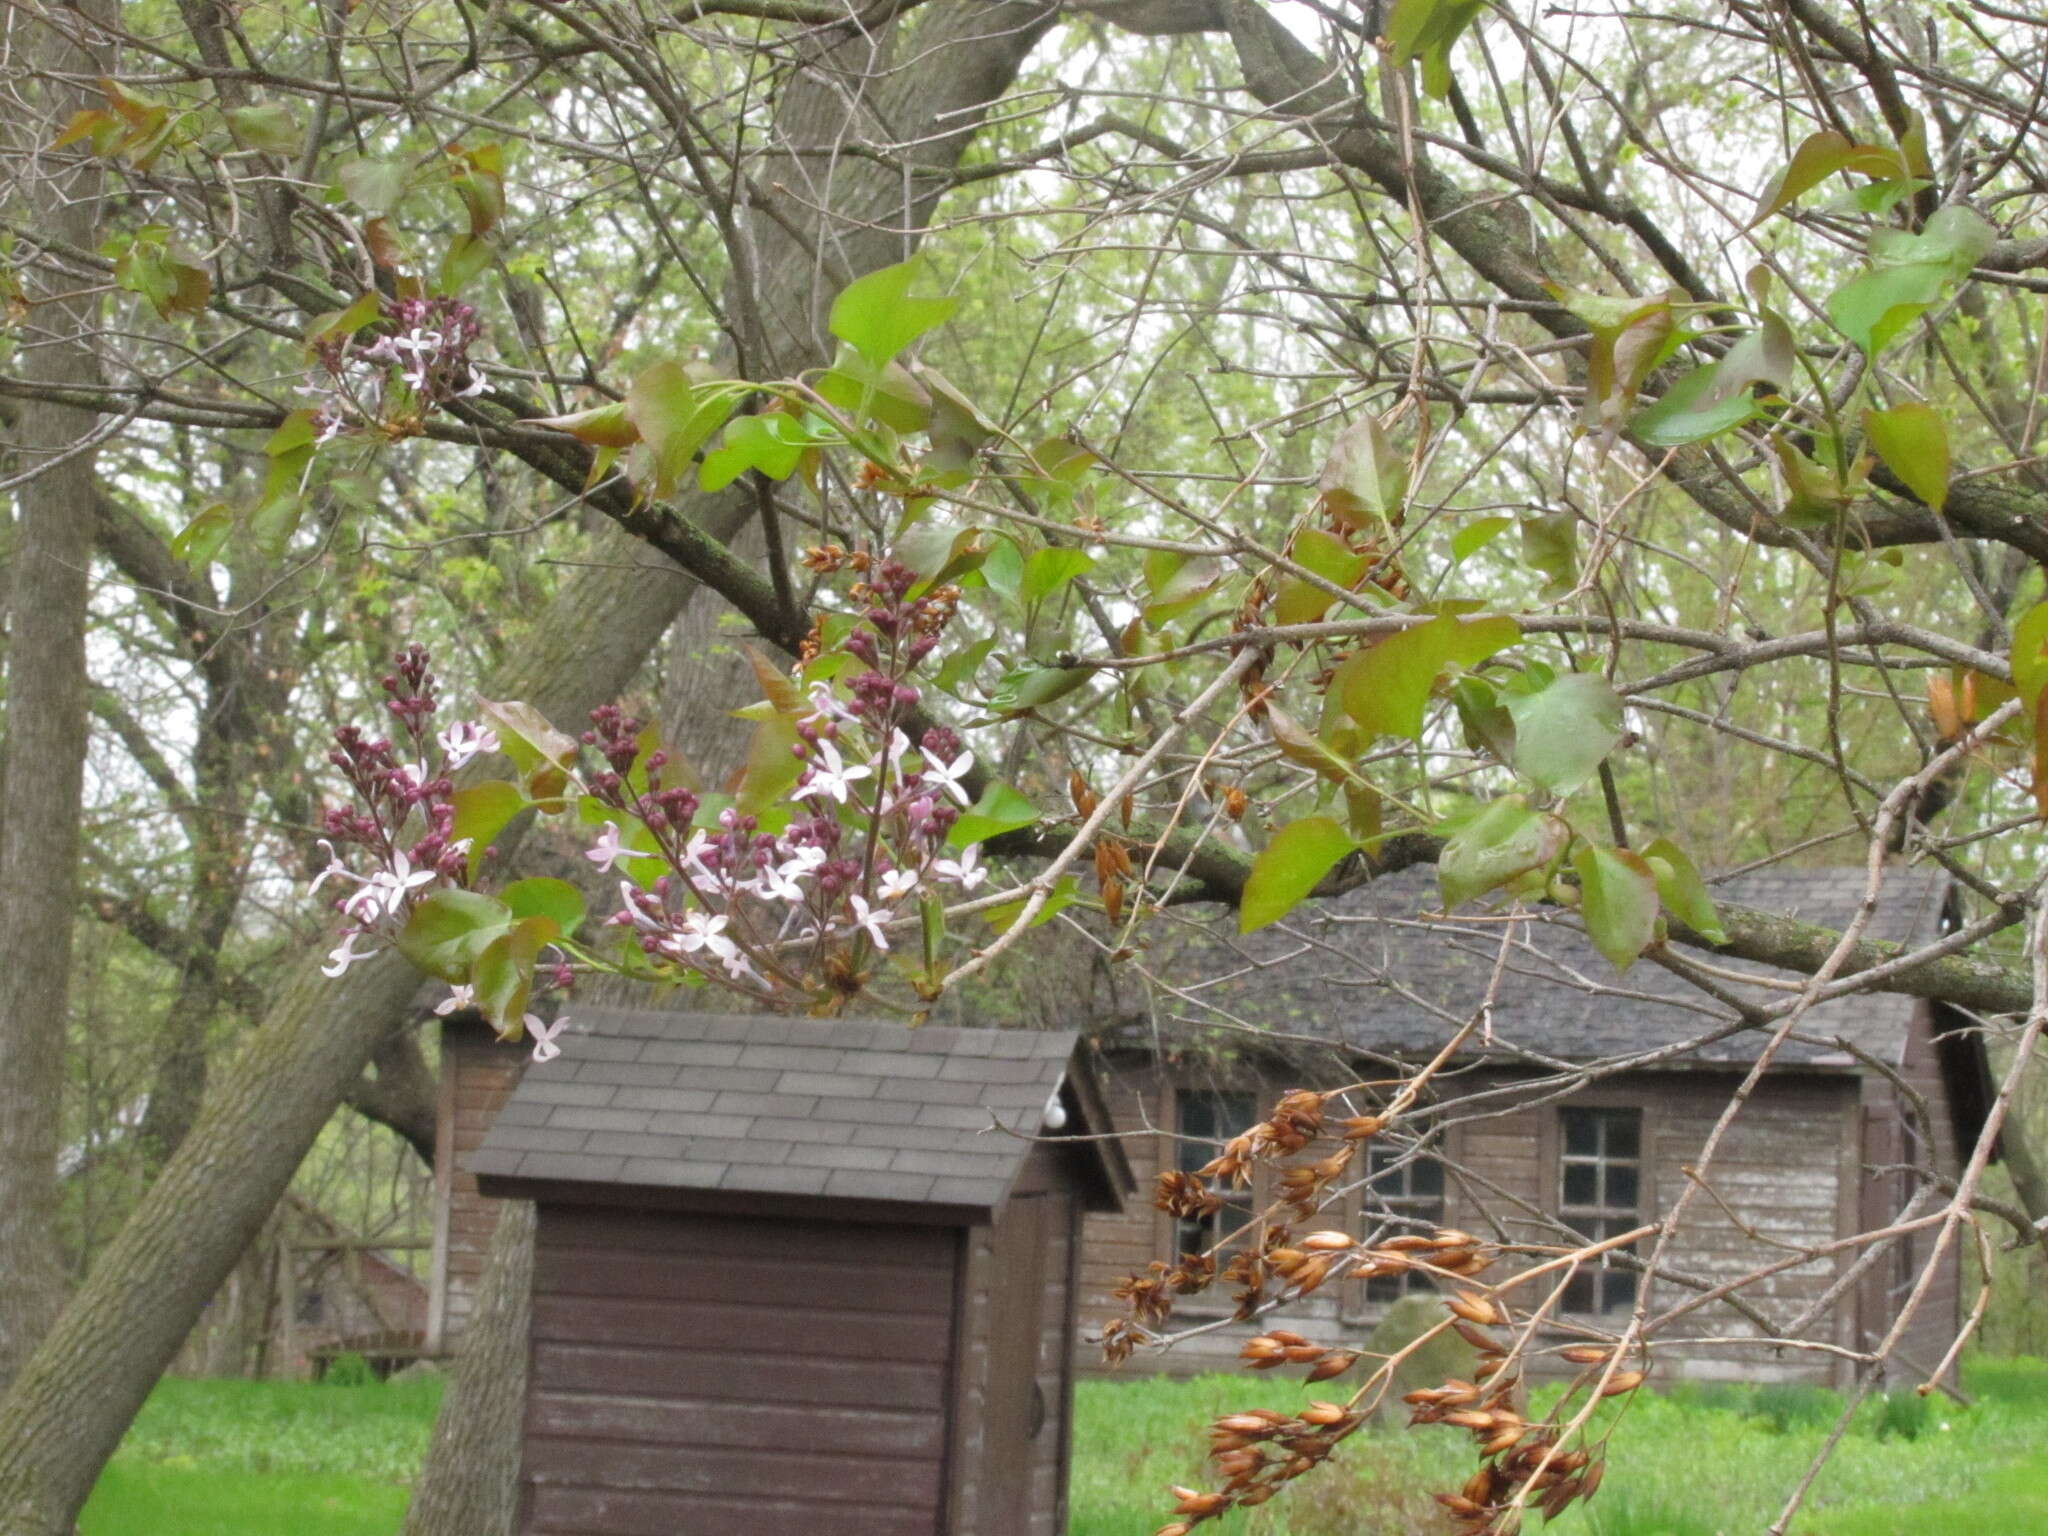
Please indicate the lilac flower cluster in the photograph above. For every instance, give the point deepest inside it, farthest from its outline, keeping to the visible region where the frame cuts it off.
(402, 815)
(389, 375)
(768, 913)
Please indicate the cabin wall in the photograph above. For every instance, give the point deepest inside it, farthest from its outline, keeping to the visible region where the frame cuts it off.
(707, 1373)
(478, 1074)
(1786, 1174)
(1895, 1136)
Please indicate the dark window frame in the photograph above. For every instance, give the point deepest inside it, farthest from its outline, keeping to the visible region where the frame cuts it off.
(1411, 1173)
(1198, 1139)
(1601, 1159)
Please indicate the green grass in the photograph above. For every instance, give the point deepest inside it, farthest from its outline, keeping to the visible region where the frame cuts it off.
(265, 1458)
(235, 1458)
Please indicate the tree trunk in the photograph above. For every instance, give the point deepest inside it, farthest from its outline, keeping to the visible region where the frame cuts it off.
(469, 1485)
(44, 766)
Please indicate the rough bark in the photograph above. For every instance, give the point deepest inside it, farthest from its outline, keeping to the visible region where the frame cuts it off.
(469, 1485)
(43, 770)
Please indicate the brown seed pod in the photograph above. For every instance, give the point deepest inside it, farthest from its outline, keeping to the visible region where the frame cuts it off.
(1335, 1362)
(1620, 1382)
(1476, 1309)
(1587, 1354)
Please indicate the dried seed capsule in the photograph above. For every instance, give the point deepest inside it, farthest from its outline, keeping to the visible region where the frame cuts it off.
(1476, 1309)
(1587, 1354)
(1622, 1381)
(1327, 1242)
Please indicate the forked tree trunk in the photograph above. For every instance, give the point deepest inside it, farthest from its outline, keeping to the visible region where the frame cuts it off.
(470, 1483)
(43, 768)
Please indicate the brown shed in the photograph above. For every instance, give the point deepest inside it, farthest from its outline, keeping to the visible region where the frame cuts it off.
(793, 1276)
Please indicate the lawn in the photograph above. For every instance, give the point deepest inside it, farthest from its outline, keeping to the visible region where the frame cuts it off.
(235, 1458)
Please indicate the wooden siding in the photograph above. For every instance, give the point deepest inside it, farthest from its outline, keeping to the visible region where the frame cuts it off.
(1785, 1174)
(703, 1373)
(478, 1074)
(1015, 1389)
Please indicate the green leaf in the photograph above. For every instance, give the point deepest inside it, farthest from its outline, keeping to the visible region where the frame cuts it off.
(200, 540)
(604, 426)
(1818, 157)
(1427, 29)
(2030, 655)
(1050, 569)
(1386, 688)
(1691, 411)
(877, 316)
(541, 753)
(375, 186)
(540, 896)
(1065, 892)
(482, 811)
(1364, 477)
(772, 764)
(1029, 688)
(1177, 583)
(1550, 549)
(1873, 308)
(338, 324)
(448, 930)
(1475, 536)
(1564, 729)
(1289, 867)
(1618, 898)
(1682, 891)
(1504, 842)
(1000, 809)
(503, 973)
(466, 259)
(1487, 725)
(1913, 443)
(871, 392)
(675, 416)
(771, 442)
(270, 128)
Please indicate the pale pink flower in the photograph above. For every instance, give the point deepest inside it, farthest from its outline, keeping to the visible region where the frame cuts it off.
(965, 871)
(391, 886)
(458, 998)
(544, 1047)
(895, 884)
(344, 955)
(463, 740)
(947, 776)
(609, 850)
(832, 776)
(870, 920)
(334, 867)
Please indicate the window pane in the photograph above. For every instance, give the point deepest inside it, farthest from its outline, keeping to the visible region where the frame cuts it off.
(1578, 1293)
(1426, 1178)
(1619, 1286)
(1581, 1183)
(1621, 1186)
(1582, 1132)
(1207, 1118)
(1624, 1133)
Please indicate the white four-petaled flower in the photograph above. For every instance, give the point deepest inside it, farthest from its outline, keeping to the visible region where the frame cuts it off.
(609, 850)
(964, 871)
(832, 776)
(947, 776)
(391, 886)
(870, 920)
(463, 740)
(896, 884)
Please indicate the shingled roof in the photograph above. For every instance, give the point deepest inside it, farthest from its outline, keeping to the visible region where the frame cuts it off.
(1384, 970)
(766, 1107)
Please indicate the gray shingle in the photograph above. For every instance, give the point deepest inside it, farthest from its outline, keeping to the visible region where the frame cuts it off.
(830, 1085)
(859, 1184)
(867, 1111)
(573, 1119)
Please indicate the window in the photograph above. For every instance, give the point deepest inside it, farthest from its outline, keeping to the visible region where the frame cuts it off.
(1410, 1190)
(1600, 1196)
(1205, 1119)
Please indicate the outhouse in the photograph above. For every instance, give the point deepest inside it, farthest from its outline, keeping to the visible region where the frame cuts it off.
(801, 1276)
